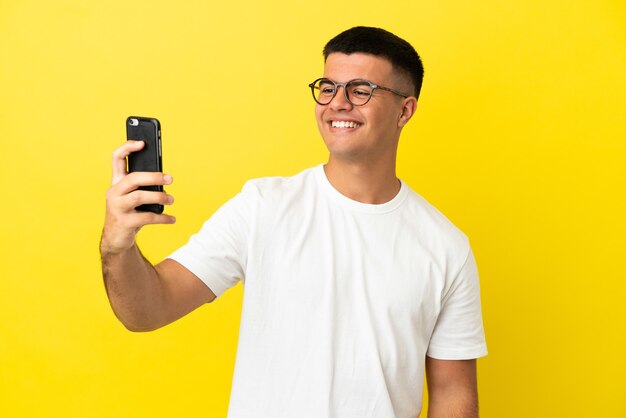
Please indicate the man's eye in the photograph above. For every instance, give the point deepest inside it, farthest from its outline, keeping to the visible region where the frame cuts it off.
(361, 93)
(327, 90)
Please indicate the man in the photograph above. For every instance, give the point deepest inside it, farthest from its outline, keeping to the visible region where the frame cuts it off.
(354, 285)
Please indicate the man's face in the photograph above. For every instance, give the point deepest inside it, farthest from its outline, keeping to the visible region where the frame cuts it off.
(361, 133)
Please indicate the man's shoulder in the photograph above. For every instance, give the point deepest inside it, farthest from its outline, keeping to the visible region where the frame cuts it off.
(432, 222)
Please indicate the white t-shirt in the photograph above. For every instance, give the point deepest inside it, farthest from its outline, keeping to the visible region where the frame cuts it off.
(342, 300)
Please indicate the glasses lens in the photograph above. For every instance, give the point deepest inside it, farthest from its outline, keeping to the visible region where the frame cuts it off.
(324, 91)
(359, 92)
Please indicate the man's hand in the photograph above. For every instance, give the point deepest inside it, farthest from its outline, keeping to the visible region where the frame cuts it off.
(122, 221)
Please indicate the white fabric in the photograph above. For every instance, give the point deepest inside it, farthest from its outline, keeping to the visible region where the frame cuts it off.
(342, 299)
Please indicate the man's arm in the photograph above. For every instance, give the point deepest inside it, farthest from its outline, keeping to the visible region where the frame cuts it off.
(452, 388)
(143, 297)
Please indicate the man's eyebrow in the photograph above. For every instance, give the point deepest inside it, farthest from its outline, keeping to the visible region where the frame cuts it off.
(360, 82)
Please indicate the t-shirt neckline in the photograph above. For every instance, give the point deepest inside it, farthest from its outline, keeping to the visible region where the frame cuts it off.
(345, 201)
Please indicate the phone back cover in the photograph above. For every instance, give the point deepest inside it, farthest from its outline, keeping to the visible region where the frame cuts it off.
(148, 158)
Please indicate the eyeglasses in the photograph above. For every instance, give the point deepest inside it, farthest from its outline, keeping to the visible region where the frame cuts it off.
(357, 92)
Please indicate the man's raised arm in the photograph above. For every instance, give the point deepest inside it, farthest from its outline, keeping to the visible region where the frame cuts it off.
(144, 297)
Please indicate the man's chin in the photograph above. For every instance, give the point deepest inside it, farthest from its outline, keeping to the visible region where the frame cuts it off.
(345, 153)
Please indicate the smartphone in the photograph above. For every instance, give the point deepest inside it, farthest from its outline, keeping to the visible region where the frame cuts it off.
(148, 158)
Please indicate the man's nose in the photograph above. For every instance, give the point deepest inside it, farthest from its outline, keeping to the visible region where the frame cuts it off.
(340, 101)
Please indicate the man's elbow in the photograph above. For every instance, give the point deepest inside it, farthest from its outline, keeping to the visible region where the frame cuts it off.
(139, 328)
(139, 324)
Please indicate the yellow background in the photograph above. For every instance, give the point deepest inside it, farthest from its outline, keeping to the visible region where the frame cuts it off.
(519, 139)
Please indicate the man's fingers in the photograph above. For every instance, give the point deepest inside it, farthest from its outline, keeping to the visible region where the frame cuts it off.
(132, 181)
(121, 204)
(135, 220)
(148, 218)
(119, 159)
(144, 197)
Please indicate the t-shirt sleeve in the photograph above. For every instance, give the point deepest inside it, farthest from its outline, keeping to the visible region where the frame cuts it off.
(458, 332)
(217, 254)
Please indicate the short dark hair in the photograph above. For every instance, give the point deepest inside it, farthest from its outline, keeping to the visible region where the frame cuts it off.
(379, 42)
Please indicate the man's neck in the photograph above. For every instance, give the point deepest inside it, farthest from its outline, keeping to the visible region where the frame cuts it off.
(363, 182)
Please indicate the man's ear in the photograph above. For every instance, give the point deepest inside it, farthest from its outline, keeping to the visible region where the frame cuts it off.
(409, 105)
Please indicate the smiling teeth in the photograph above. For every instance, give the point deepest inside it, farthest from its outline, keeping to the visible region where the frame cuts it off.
(343, 124)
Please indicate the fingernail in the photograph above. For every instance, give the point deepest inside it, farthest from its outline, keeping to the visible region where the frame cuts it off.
(167, 179)
(173, 219)
(170, 199)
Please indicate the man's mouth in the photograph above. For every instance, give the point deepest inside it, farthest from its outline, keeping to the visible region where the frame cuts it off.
(344, 124)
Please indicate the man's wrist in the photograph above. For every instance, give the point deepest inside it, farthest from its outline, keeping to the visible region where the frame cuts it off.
(108, 249)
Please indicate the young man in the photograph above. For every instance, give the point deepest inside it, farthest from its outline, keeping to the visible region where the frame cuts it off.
(354, 285)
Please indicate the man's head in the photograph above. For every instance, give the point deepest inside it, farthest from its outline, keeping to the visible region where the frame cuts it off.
(365, 96)
(379, 42)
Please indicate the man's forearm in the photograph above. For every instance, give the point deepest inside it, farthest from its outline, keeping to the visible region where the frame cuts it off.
(133, 288)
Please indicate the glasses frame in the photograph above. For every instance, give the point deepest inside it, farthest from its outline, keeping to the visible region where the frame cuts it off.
(345, 91)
